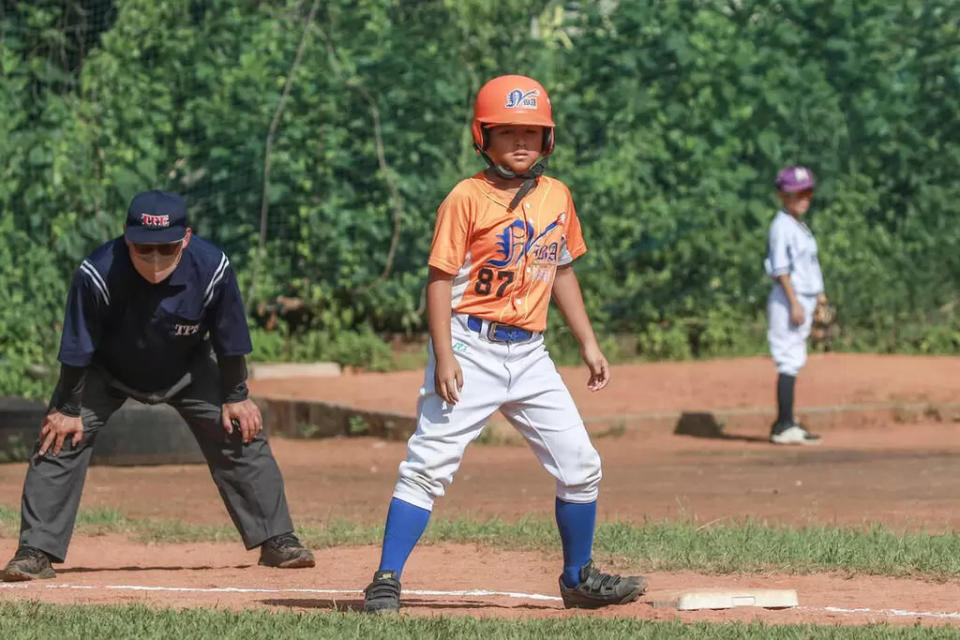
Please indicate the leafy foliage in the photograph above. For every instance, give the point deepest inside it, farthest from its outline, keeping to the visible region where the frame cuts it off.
(673, 119)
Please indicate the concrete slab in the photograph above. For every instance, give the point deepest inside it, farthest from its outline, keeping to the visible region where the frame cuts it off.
(266, 370)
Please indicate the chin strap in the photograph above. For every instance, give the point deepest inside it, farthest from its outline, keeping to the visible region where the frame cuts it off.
(529, 178)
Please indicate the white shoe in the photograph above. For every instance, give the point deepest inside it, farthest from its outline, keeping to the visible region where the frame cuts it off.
(794, 434)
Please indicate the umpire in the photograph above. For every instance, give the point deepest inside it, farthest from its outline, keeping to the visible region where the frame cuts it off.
(154, 315)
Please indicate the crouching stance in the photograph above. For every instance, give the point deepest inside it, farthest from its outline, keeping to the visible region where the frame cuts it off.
(503, 244)
(154, 315)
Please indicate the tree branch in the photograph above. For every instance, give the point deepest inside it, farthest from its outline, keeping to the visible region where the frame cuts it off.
(395, 200)
(268, 148)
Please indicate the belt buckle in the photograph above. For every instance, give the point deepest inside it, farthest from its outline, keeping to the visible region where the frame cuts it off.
(492, 331)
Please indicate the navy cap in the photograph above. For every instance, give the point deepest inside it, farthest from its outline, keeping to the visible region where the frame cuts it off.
(156, 217)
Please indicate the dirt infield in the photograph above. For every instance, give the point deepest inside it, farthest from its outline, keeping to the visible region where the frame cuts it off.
(902, 474)
(827, 380)
(446, 580)
(835, 391)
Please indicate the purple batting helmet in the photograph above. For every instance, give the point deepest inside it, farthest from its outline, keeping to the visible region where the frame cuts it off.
(795, 178)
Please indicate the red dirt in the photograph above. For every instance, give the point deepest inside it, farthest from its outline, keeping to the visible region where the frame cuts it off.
(904, 475)
(827, 380)
(111, 570)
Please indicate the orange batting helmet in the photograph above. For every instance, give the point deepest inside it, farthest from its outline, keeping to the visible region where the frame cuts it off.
(512, 100)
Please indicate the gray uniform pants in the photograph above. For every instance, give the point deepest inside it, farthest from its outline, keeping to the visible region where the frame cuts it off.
(246, 475)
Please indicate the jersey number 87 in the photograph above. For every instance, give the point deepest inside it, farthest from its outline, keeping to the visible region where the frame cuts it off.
(485, 281)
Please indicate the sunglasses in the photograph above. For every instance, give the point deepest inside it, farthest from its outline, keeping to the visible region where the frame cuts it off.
(801, 195)
(165, 249)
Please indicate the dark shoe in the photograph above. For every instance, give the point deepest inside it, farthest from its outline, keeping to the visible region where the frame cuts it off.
(792, 433)
(28, 564)
(285, 552)
(597, 589)
(383, 594)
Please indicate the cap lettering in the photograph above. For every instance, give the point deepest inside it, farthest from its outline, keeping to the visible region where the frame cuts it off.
(151, 220)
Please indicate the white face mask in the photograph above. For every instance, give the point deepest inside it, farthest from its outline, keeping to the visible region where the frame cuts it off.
(153, 266)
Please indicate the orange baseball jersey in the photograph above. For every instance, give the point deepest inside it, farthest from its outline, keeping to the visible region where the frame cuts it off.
(504, 262)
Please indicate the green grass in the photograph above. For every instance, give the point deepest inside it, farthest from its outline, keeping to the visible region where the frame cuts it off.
(737, 547)
(42, 621)
(99, 522)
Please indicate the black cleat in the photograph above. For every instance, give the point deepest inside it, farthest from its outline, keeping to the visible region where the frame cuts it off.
(285, 552)
(28, 564)
(383, 594)
(597, 589)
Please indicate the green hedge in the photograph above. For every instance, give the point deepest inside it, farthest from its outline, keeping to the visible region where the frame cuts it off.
(673, 119)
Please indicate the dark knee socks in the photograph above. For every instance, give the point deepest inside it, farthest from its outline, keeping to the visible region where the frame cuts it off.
(785, 384)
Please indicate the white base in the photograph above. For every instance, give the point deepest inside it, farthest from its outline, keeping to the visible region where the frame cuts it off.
(729, 598)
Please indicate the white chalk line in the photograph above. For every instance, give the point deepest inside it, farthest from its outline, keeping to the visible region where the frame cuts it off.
(416, 592)
(893, 613)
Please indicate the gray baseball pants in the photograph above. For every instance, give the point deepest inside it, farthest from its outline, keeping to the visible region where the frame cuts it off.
(246, 475)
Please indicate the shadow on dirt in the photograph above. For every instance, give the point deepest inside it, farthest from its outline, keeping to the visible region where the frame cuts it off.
(139, 569)
(703, 424)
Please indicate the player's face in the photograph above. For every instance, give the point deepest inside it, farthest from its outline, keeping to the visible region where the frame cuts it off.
(516, 147)
(796, 203)
(155, 262)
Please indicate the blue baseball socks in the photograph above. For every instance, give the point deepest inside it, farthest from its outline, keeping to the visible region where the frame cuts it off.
(576, 522)
(405, 525)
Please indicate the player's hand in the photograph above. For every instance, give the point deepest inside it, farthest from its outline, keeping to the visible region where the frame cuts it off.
(598, 365)
(56, 428)
(448, 379)
(247, 416)
(797, 314)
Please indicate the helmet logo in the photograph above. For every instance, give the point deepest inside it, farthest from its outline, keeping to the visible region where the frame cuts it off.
(800, 174)
(526, 100)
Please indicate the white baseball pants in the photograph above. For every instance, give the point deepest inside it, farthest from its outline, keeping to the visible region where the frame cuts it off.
(522, 382)
(788, 341)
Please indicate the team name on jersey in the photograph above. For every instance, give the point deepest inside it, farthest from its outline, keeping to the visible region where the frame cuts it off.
(546, 253)
(518, 239)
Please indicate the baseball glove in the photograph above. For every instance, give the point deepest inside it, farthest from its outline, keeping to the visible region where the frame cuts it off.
(824, 314)
(824, 330)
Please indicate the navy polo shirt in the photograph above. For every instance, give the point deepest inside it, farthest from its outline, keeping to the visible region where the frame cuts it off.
(146, 335)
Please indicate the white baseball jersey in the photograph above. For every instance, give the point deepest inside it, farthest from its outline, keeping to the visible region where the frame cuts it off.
(792, 249)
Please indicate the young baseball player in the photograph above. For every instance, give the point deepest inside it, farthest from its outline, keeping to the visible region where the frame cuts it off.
(798, 287)
(155, 315)
(503, 245)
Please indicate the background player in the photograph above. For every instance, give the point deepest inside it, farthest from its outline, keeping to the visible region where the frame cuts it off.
(798, 288)
(139, 313)
(504, 242)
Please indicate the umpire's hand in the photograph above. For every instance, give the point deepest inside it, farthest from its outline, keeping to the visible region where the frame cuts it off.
(56, 428)
(247, 416)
